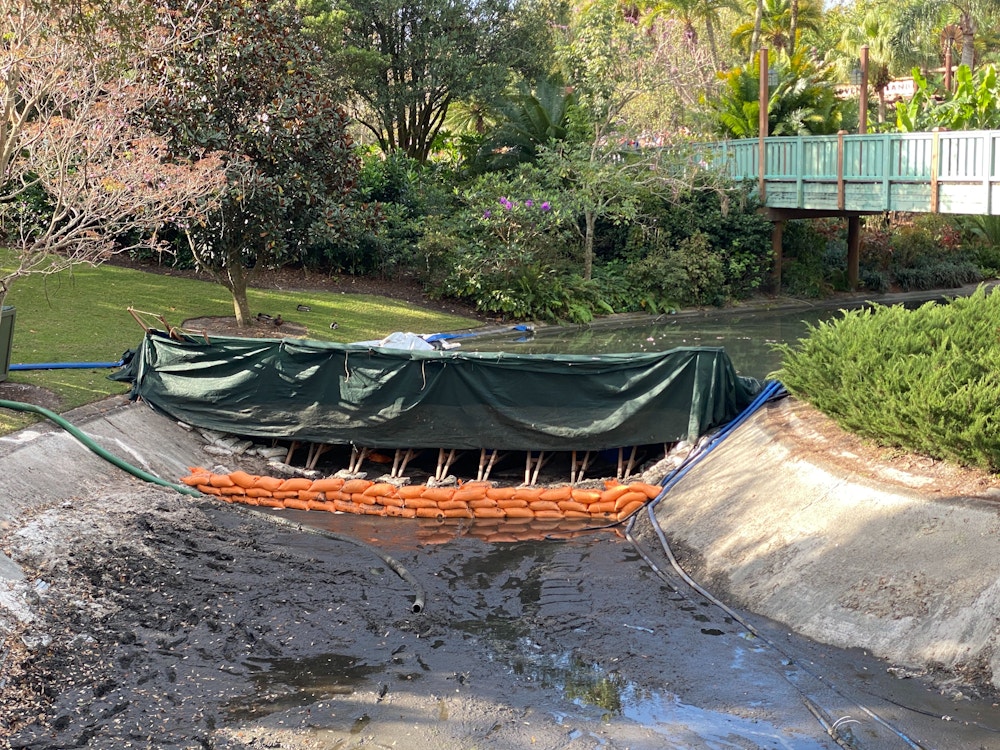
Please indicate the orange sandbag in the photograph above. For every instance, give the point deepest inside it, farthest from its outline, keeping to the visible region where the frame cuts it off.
(576, 514)
(527, 493)
(360, 498)
(294, 484)
(438, 494)
(373, 510)
(297, 503)
(271, 502)
(572, 505)
(512, 503)
(329, 484)
(355, 485)
(220, 480)
(483, 502)
(613, 492)
(432, 512)
(463, 512)
(283, 494)
(346, 506)
(322, 505)
(267, 483)
(500, 493)
(586, 497)
(631, 508)
(549, 514)
(309, 495)
(380, 489)
(543, 505)
(410, 490)
(453, 505)
(242, 479)
(193, 480)
(209, 489)
(419, 502)
(519, 512)
(468, 494)
(400, 512)
(605, 506)
(628, 498)
(258, 492)
(234, 490)
(488, 512)
(651, 491)
(390, 501)
(555, 494)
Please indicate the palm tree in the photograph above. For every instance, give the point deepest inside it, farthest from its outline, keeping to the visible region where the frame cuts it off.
(776, 28)
(927, 18)
(528, 119)
(690, 13)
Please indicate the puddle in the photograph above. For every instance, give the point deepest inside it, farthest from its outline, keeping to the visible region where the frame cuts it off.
(283, 684)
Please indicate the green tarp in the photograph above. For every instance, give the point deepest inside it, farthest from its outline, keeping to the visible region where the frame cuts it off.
(384, 398)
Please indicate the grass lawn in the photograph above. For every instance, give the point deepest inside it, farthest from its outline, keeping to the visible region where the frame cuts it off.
(81, 316)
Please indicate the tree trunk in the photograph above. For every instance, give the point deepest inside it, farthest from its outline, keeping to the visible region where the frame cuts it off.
(758, 21)
(968, 27)
(588, 245)
(793, 25)
(236, 281)
(713, 46)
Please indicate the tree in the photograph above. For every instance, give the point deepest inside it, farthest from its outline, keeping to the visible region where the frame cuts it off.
(527, 120)
(412, 59)
(802, 103)
(775, 30)
(249, 83)
(691, 13)
(80, 178)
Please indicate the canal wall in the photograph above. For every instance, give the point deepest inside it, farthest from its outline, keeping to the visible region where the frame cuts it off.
(770, 523)
(766, 521)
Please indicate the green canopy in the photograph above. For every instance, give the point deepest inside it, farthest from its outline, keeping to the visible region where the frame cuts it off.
(392, 398)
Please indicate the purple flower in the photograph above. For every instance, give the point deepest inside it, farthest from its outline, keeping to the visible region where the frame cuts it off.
(546, 205)
(529, 203)
(506, 204)
(487, 214)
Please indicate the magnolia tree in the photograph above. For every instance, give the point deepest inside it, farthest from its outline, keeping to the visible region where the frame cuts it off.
(80, 179)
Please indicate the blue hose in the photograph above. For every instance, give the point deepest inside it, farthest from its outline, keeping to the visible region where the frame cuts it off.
(771, 390)
(67, 365)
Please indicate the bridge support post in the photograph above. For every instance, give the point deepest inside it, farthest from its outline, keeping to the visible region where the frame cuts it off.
(853, 250)
(777, 231)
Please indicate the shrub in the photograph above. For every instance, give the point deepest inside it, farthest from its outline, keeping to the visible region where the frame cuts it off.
(926, 380)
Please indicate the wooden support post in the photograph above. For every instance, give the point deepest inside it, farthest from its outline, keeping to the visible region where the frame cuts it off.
(539, 463)
(853, 250)
(315, 451)
(291, 451)
(444, 463)
(763, 97)
(631, 462)
(484, 473)
(777, 231)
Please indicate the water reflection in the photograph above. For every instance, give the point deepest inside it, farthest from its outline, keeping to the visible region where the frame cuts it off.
(748, 337)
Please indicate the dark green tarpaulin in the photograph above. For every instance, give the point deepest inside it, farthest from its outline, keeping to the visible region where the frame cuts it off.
(385, 398)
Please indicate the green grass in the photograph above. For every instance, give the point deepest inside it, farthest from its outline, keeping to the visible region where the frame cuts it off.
(81, 316)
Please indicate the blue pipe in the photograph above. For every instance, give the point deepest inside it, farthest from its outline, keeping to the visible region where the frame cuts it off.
(67, 365)
(772, 389)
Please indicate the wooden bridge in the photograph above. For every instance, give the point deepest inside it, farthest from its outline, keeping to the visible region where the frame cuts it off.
(856, 174)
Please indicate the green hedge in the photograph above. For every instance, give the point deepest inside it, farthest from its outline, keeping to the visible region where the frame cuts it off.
(926, 380)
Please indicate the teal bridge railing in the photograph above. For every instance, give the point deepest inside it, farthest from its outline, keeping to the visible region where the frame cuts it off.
(933, 172)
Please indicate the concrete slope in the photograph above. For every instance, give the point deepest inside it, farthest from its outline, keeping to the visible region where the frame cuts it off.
(907, 574)
(44, 464)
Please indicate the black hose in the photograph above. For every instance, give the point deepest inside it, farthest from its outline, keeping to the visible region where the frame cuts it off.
(418, 599)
